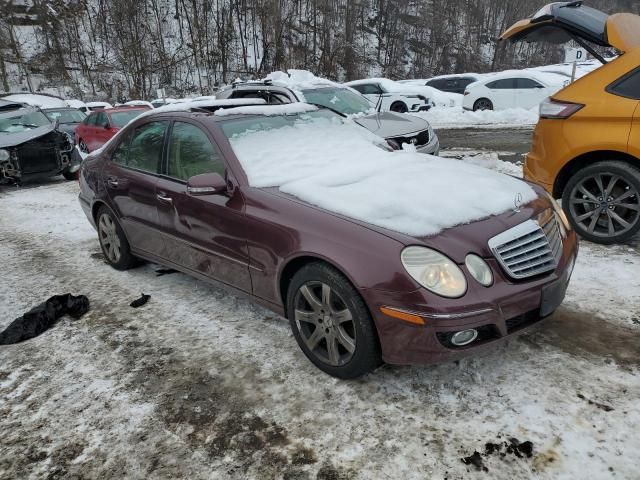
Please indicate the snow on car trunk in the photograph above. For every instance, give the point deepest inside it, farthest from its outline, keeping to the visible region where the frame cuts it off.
(339, 168)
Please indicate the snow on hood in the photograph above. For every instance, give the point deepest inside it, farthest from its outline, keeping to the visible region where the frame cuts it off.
(14, 139)
(338, 168)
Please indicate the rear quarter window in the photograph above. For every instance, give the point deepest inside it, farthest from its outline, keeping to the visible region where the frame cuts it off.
(504, 84)
(628, 86)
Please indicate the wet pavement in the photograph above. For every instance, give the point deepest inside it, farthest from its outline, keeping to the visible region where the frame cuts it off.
(510, 143)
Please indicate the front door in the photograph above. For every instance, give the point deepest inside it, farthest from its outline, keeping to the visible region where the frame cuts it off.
(130, 180)
(205, 234)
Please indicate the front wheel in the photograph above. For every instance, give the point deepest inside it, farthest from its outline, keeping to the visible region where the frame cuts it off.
(113, 242)
(331, 322)
(602, 202)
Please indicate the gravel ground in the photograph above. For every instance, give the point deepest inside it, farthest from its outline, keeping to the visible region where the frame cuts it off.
(202, 384)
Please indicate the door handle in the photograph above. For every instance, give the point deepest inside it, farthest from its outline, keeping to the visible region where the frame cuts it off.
(112, 182)
(164, 198)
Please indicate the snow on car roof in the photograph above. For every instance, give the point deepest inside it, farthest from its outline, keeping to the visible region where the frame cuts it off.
(268, 110)
(42, 101)
(98, 104)
(338, 168)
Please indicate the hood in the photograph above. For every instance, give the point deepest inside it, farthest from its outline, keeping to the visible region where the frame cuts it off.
(15, 139)
(560, 22)
(69, 128)
(455, 242)
(390, 124)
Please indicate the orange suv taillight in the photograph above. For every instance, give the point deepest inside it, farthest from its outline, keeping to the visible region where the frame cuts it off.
(553, 109)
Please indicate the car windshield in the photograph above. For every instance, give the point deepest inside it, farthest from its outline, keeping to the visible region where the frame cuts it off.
(342, 100)
(22, 120)
(120, 119)
(65, 116)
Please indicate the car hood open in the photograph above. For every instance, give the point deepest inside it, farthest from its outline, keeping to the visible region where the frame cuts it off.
(560, 22)
(15, 139)
(390, 124)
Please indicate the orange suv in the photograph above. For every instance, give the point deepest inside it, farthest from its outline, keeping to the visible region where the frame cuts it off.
(586, 146)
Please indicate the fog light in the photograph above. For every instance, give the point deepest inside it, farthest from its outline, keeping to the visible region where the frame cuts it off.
(464, 337)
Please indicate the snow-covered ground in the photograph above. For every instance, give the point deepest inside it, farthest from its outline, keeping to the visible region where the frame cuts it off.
(202, 384)
(456, 117)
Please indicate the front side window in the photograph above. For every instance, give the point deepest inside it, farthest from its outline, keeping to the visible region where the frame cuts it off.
(145, 151)
(628, 86)
(192, 153)
(120, 119)
(91, 119)
(121, 152)
(102, 120)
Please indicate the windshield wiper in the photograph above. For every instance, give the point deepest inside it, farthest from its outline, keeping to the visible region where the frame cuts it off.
(319, 105)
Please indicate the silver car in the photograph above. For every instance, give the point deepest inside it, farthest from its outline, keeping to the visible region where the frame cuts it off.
(396, 128)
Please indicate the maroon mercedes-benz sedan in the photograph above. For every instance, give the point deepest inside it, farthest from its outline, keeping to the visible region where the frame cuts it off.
(372, 255)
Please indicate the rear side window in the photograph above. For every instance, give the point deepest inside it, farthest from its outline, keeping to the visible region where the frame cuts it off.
(102, 120)
(192, 153)
(628, 86)
(504, 84)
(91, 119)
(368, 89)
(120, 153)
(145, 150)
(527, 83)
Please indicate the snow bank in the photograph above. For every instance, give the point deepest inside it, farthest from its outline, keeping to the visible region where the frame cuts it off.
(402, 191)
(459, 118)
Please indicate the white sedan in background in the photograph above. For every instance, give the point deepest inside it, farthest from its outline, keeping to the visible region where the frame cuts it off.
(389, 96)
(512, 90)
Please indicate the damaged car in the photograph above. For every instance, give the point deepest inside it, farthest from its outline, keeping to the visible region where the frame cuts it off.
(32, 147)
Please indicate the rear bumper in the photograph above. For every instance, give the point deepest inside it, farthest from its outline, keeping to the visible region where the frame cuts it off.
(531, 177)
(507, 309)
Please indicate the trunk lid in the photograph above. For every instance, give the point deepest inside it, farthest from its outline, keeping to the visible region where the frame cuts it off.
(560, 22)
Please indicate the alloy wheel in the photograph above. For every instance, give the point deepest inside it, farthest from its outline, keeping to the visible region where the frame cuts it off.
(325, 323)
(484, 104)
(605, 205)
(109, 238)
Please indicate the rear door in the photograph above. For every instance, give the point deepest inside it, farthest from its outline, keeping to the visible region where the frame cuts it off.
(628, 87)
(205, 234)
(130, 180)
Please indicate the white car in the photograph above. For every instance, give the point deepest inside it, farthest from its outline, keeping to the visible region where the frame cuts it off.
(91, 106)
(389, 96)
(512, 90)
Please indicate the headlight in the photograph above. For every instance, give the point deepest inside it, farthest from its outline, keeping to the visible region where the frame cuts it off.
(434, 271)
(479, 269)
(558, 209)
(4, 155)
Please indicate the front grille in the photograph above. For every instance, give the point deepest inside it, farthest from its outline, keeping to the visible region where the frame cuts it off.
(529, 249)
(418, 140)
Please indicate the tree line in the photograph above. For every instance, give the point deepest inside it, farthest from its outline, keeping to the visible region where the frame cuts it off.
(115, 48)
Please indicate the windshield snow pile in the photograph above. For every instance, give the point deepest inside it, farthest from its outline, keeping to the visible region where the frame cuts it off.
(336, 167)
(269, 110)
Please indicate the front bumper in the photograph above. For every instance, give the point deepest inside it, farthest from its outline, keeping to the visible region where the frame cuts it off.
(499, 312)
(431, 148)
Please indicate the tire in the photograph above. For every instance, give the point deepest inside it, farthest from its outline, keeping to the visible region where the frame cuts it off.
(70, 175)
(113, 242)
(483, 104)
(602, 202)
(399, 107)
(83, 146)
(341, 319)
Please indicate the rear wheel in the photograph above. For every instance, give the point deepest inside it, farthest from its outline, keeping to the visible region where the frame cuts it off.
(602, 202)
(113, 242)
(482, 104)
(331, 322)
(399, 107)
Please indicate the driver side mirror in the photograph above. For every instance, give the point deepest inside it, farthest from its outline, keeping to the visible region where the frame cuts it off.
(206, 184)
